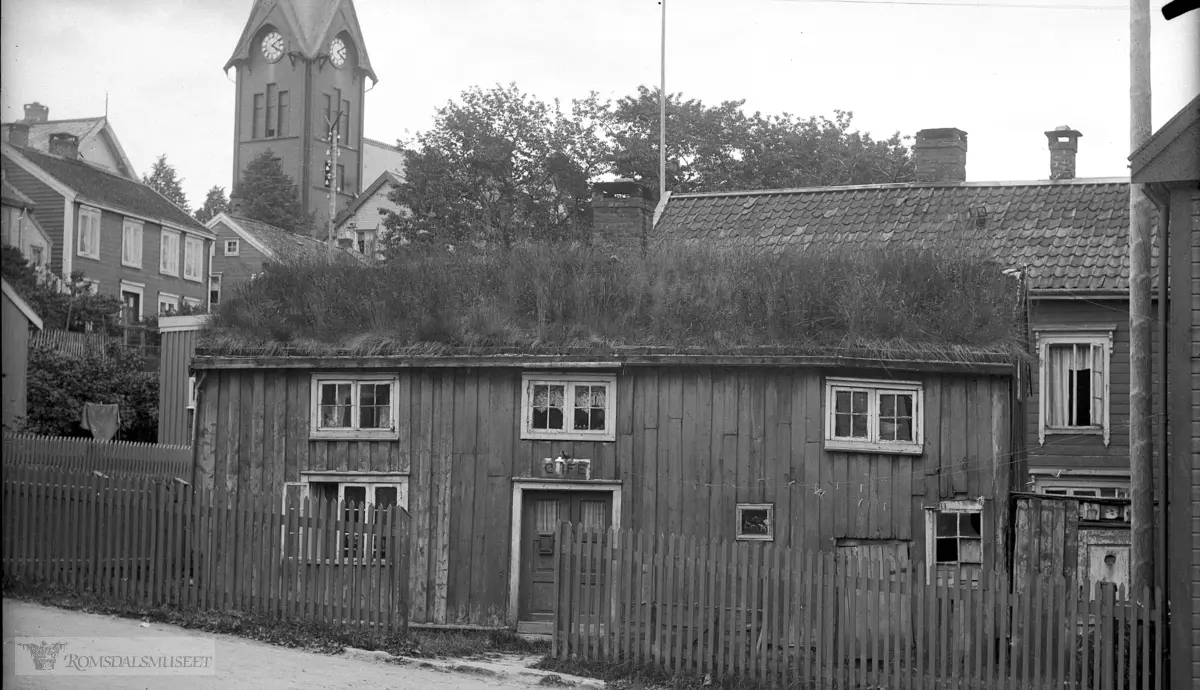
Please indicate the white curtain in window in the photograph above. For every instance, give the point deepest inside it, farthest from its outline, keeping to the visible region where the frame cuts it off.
(1075, 388)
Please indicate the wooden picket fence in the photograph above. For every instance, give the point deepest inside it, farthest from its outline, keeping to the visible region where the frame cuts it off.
(813, 620)
(71, 342)
(113, 458)
(163, 543)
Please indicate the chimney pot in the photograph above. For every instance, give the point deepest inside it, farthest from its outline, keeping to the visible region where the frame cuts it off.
(36, 113)
(622, 213)
(18, 134)
(1064, 144)
(65, 145)
(940, 155)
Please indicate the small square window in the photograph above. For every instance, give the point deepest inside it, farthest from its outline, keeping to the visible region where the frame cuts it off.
(233, 247)
(756, 521)
(354, 408)
(575, 407)
(954, 533)
(874, 416)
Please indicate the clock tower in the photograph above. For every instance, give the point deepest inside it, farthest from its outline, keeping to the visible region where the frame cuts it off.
(302, 65)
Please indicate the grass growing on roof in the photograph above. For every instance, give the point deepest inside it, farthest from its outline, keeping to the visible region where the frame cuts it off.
(950, 302)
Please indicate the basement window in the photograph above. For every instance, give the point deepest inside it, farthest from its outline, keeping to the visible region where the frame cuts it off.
(756, 522)
(578, 407)
(363, 407)
(873, 416)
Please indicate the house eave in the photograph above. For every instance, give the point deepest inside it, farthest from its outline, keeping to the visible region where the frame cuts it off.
(230, 362)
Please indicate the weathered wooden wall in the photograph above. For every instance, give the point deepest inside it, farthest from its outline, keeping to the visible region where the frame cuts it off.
(691, 444)
(173, 386)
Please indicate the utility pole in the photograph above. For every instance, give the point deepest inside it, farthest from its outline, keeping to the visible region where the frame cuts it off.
(1141, 451)
(331, 181)
(662, 109)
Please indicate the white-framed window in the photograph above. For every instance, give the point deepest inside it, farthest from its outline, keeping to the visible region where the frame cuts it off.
(355, 406)
(755, 521)
(233, 247)
(168, 262)
(193, 303)
(87, 233)
(873, 415)
(191, 408)
(1082, 487)
(131, 243)
(1073, 381)
(352, 491)
(214, 290)
(167, 303)
(954, 533)
(193, 259)
(578, 407)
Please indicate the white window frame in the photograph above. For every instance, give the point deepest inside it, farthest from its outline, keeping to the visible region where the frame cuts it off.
(131, 249)
(214, 283)
(1088, 336)
(961, 506)
(237, 247)
(569, 381)
(872, 443)
(92, 229)
(1080, 486)
(167, 298)
(193, 259)
(371, 481)
(353, 432)
(168, 263)
(742, 508)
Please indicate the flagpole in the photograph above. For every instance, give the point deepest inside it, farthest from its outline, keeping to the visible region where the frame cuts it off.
(662, 109)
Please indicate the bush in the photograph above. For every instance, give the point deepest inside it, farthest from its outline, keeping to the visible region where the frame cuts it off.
(948, 301)
(59, 384)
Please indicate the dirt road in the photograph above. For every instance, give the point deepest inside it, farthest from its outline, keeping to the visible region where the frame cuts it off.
(239, 663)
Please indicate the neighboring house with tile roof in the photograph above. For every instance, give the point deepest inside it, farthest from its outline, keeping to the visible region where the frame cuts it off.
(126, 238)
(243, 245)
(360, 225)
(98, 143)
(1068, 235)
(20, 228)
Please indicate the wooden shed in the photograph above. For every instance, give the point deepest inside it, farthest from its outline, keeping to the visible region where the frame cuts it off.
(176, 394)
(19, 318)
(1168, 164)
(488, 453)
(1084, 538)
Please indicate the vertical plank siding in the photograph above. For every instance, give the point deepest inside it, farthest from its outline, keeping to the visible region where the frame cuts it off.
(691, 443)
(177, 350)
(154, 543)
(751, 622)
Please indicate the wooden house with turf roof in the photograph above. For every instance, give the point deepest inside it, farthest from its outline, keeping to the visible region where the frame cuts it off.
(685, 401)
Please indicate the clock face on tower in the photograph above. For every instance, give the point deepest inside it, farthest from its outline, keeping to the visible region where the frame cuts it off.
(337, 52)
(272, 46)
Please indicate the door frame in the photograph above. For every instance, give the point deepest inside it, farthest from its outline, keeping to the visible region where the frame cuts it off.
(520, 486)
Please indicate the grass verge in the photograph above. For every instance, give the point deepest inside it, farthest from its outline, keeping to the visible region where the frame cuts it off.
(311, 636)
(631, 676)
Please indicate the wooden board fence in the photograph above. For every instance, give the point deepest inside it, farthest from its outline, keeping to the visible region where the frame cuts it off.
(89, 455)
(162, 543)
(804, 619)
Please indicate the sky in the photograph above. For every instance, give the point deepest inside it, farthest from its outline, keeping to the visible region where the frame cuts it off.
(1005, 74)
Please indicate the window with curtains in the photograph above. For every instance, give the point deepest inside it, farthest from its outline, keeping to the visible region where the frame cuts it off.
(1074, 383)
(354, 407)
(578, 407)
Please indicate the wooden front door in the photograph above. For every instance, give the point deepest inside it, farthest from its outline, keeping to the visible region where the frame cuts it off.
(542, 512)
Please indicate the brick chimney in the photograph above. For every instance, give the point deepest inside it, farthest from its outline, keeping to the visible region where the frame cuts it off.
(18, 134)
(940, 155)
(36, 113)
(1064, 144)
(622, 213)
(65, 145)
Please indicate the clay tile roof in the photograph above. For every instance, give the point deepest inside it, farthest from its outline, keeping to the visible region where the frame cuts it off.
(103, 187)
(1072, 234)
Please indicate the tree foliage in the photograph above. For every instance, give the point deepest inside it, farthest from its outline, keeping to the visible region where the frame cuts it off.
(71, 307)
(166, 181)
(59, 384)
(500, 166)
(214, 203)
(270, 195)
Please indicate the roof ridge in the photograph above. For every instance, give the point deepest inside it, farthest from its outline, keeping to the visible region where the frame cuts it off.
(1079, 181)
